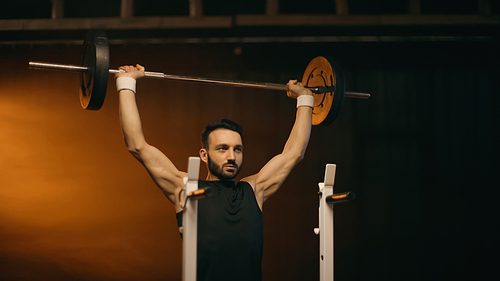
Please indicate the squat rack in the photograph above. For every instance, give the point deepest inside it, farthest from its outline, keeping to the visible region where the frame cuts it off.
(325, 230)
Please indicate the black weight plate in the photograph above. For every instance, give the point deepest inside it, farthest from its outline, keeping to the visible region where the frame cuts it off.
(94, 82)
(325, 72)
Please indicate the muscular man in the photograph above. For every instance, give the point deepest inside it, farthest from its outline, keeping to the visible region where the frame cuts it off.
(230, 221)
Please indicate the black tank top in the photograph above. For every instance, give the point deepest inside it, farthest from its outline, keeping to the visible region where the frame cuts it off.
(230, 233)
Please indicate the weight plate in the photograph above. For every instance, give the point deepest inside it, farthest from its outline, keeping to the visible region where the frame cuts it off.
(326, 72)
(94, 82)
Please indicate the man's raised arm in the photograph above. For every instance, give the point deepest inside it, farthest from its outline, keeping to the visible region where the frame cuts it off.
(273, 174)
(160, 168)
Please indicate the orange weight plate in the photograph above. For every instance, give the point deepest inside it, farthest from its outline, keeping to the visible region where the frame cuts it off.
(325, 72)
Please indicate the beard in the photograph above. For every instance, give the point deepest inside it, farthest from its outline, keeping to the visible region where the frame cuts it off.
(218, 171)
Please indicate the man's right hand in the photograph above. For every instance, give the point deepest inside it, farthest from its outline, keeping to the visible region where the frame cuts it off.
(135, 72)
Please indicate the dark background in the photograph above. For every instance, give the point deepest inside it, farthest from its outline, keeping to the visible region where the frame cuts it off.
(420, 154)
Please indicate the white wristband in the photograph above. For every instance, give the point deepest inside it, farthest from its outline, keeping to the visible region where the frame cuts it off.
(125, 83)
(305, 100)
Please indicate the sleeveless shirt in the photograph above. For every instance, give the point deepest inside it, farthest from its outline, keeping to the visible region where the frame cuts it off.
(230, 233)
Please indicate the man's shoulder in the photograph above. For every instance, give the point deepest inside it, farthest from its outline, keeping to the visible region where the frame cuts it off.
(242, 182)
(250, 180)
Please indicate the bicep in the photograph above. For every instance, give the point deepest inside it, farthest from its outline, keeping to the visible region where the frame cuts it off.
(273, 174)
(163, 172)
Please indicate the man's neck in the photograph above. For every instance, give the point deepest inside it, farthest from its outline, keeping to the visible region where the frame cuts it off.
(211, 177)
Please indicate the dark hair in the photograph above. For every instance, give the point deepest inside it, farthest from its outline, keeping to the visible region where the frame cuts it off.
(221, 124)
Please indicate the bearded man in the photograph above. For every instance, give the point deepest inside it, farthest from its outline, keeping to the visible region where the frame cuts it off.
(230, 222)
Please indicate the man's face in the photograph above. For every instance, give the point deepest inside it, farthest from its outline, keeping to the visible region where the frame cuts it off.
(224, 154)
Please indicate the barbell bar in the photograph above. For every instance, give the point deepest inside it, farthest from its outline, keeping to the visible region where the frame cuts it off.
(323, 76)
(161, 75)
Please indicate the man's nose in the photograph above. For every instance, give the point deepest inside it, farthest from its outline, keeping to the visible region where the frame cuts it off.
(230, 154)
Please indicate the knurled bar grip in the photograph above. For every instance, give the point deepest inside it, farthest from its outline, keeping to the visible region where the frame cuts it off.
(149, 74)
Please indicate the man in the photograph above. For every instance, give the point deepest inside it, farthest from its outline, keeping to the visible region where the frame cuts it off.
(230, 221)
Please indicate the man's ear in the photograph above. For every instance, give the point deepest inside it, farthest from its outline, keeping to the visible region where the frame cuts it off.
(203, 155)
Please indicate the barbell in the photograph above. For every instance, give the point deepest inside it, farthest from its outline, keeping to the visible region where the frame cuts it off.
(323, 76)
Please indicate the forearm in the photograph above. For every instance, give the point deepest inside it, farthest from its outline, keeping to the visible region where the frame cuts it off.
(299, 137)
(131, 121)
